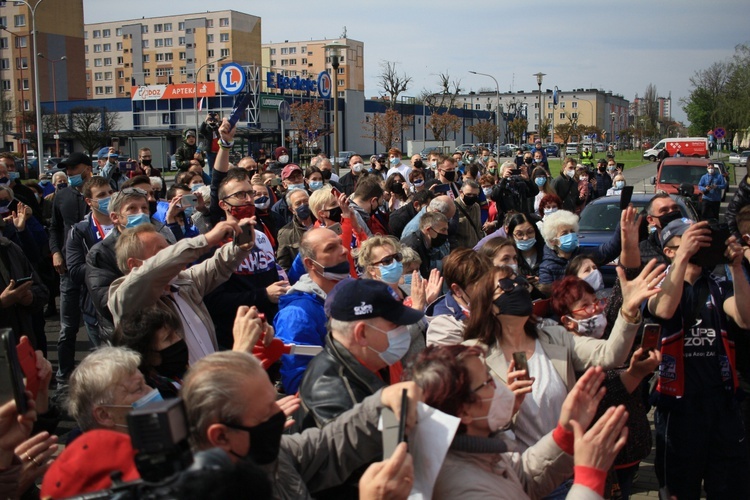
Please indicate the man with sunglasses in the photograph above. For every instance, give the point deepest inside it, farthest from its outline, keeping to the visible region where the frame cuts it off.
(432, 234)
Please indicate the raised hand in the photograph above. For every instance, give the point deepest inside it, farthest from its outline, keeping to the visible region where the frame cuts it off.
(581, 403)
(642, 287)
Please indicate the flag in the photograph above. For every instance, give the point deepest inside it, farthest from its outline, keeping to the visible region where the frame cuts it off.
(200, 104)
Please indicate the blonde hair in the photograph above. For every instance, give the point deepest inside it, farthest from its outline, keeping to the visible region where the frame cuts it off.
(320, 199)
(363, 254)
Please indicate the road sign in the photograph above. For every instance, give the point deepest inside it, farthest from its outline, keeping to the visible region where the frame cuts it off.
(232, 78)
(285, 113)
(617, 137)
(720, 133)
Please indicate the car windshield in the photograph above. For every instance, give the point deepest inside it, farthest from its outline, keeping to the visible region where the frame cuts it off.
(678, 174)
(603, 216)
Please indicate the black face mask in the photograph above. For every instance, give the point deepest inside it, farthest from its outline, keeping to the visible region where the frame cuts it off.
(528, 161)
(326, 175)
(265, 439)
(669, 217)
(303, 212)
(450, 175)
(174, 360)
(152, 208)
(146, 162)
(398, 189)
(418, 164)
(470, 200)
(335, 214)
(602, 169)
(439, 240)
(517, 302)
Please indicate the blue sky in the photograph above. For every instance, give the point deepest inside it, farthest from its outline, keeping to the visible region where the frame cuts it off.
(619, 46)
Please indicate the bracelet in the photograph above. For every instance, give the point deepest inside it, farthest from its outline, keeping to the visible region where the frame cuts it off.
(634, 320)
(225, 145)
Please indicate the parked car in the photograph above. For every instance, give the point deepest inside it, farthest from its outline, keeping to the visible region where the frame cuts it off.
(743, 158)
(552, 150)
(571, 148)
(342, 160)
(599, 147)
(513, 147)
(734, 158)
(426, 152)
(676, 171)
(599, 220)
(466, 147)
(506, 151)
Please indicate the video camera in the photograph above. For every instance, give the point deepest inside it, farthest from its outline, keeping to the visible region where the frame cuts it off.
(168, 468)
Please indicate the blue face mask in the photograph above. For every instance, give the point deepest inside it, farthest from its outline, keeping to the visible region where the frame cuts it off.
(295, 186)
(407, 279)
(394, 161)
(525, 244)
(568, 242)
(619, 184)
(391, 273)
(315, 185)
(137, 219)
(44, 182)
(540, 181)
(195, 187)
(14, 175)
(189, 211)
(103, 205)
(152, 397)
(75, 180)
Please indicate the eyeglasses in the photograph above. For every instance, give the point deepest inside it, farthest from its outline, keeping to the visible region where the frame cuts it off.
(388, 260)
(132, 190)
(519, 235)
(599, 305)
(241, 195)
(438, 232)
(490, 381)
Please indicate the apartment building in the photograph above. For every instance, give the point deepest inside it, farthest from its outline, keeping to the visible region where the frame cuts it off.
(59, 26)
(164, 50)
(309, 58)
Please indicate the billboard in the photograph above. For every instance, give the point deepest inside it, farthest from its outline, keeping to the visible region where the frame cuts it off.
(172, 91)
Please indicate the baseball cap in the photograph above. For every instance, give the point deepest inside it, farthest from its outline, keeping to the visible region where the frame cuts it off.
(355, 300)
(189, 133)
(75, 159)
(674, 228)
(281, 150)
(87, 463)
(104, 153)
(289, 170)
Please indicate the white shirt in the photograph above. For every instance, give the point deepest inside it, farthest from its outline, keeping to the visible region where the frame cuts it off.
(540, 410)
(196, 335)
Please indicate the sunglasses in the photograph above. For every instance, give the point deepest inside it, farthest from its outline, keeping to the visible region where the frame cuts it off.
(388, 260)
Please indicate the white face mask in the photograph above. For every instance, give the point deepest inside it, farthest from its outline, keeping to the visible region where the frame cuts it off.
(570, 173)
(595, 279)
(284, 159)
(592, 327)
(357, 168)
(399, 341)
(501, 407)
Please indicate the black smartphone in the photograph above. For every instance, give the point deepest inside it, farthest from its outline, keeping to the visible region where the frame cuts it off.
(402, 418)
(522, 364)
(246, 236)
(625, 195)
(21, 281)
(11, 378)
(650, 339)
(515, 171)
(713, 255)
(441, 188)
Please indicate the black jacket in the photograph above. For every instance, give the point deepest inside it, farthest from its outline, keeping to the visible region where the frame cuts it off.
(400, 218)
(333, 383)
(184, 154)
(415, 241)
(349, 181)
(18, 317)
(739, 200)
(603, 183)
(68, 208)
(567, 189)
(25, 195)
(101, 271)
(514, 194)
(80, 241)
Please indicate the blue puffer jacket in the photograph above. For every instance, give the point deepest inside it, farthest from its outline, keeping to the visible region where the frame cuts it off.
(301, 320)
(553, 266)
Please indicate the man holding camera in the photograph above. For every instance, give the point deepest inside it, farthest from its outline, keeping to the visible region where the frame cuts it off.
(514, 191)
(712, 185)
(699, 429)
(209, 133)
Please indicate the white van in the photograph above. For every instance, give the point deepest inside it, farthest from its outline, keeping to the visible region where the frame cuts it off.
(571, 148)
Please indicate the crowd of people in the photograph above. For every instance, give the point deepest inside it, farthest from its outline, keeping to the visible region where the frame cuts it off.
(287, 307)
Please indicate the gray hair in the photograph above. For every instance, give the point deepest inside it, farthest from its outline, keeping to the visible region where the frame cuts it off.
(213, 391)
(57, 174)
(288, 196)
(156, 183)
(554, 221)
(342, 327)
(438, 205)
(92, 383)
(119, 199)
(507, 164)
(129, 245)
(470, 183)
(431, 218)
(7, 190)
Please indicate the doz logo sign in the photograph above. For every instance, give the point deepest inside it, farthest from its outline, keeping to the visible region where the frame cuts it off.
(232, 78)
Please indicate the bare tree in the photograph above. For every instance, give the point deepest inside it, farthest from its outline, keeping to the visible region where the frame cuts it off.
(92, 126)
(386, 128)
(441, 124)
(392, 83)
(445, 98)
(484, 131)
(306, 119)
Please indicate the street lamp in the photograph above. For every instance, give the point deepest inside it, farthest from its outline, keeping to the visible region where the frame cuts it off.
(497, 110)
(195, 95)
(612, 115)
(23, 117)
(539, 77)
(37, 97)
(54, 100)
(334, 50)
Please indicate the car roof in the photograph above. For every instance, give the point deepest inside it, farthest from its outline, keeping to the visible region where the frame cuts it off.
(639, 198)
(684, 160)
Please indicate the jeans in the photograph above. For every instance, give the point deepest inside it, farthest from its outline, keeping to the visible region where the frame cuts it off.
(70, 322)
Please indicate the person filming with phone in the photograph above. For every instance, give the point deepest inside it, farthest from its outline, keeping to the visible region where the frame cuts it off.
(699, 428)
